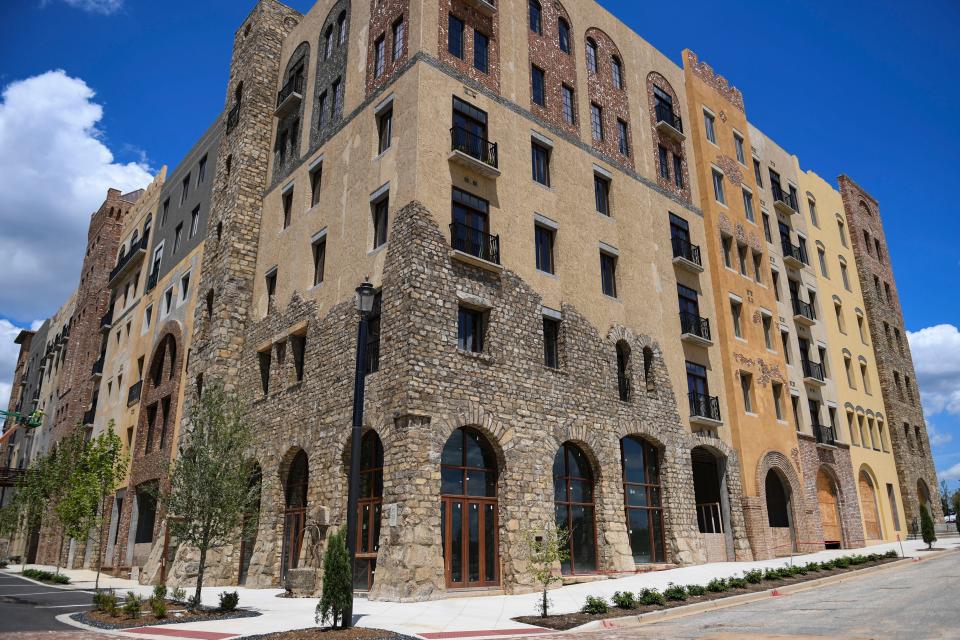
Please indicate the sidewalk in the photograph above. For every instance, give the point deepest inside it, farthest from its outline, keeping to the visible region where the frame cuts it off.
(452, 617)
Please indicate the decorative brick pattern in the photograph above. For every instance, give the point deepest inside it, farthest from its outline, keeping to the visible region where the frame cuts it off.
(473, 21)
(559, 68)
(383, 15)
(673, 147)
(614, 102)
(836, 463)
(720, 84)
(913, 459)
(766, 541)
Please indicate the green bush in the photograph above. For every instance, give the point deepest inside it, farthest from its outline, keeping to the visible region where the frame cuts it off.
(754, 576)
(59, 578)
(229, 600)
(159, 607)
(595, 605)
(812, 566)
(927, 530)
(179, 595)
(105, 601)
(160, 591)
(737, 583)
(652, 597)
(842, 562)
(337, 593)
(132, 605)
(800, 570)
(624, 600)
(771, 574)
(717, 585)
(3, 564)
(694, 590)
(891, 554)
(675, 592)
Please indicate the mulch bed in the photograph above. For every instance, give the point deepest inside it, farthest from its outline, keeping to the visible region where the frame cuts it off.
(563, 622)
(176, 614)
(316, 633)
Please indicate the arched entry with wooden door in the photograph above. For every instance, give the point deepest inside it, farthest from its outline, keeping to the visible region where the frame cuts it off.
(295, 512)
(780, 513)
(923, 494)
(829, 504)
(868, 507)
(468, 511)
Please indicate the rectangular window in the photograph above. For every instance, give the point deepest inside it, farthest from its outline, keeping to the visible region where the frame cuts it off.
(544, 239)
(536, 17)
(202, 170)
(319, 248)
(569, 111)
(708, 122)
(663, 161)
(541, 163)
(822, 352)
(399, 38)
(263, 358)
(166, 210)
(844, 276)
(455, 36)
(813, 213)
(608, 274)
(758, 267)
(738, 144)
(746, 389)
(286, 201)
(167, 305)
(298, 346)
(601, 192)
(322, 110)
(767, 331)
(384, 130)
(841, 325)
(778, 399)
(470, 329)
(177, 237)
(539, 81)
(591, 57)
(795, 405)
(757, 173)
(185, 191)
(718, 187)
(742, 258)
(866, 378)
(551, 342)
(616, 71)
(736, 311)
(842, 232)
(624, 142)
(748, 206)
(678, 171)
(596, 121)
(380, 208)
(316, 178)
(337, 99)
(727, 243)
(184, 286)
(822, 257)
(766, 227)
(380, 56)
(194, 221)
(481, 52)
(147, 316)
(271, 282)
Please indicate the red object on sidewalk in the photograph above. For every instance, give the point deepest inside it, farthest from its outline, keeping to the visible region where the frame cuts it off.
(441, 635)
(182, 633)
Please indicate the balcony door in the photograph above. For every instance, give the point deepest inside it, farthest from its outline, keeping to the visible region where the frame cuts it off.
(469, 129)
(471, 225)
(697, 387)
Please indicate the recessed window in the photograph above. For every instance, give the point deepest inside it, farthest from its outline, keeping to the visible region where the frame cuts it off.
(384, 130)
(746, 389)
(536, 17)
(758, 267)
(757, 173)
(539, 86)
(822, 257)
(177, 237)
(736, 311)
(608, 274)
(738, 145)
(544, 238)
(481, 52)
(663, 161)
(202, 170)
(551, 342)
(813, 213)
(591, 56)
(838, 309)
(342, 28)
(328, 43)
(843, 233)
(286, 201)
(742, 258)
(601, 192)
(337, 99)
(470, 329)
(727, 244)
(569, 110)
(596, 122)
(748, 206)
(785, 343)
(316, 179)
(167, 304)
(185, 189)
(767, 322)
(271, 283)
(623, 140)
(541, 163)
(678, 171)
(766, 226)
(319, 250)
(147, 316)
(165, 212)
(380, 56)
(194, 221)
(616, 70)
(778, 399)
(184, 287)
(298, 345)
(708, 124)
(718, 187)
(263, 358)
(399, 38)
(563, 28)
(379, 209)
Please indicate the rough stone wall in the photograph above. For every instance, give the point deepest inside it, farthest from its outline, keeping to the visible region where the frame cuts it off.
(560, 67)
(674, 148)
(473, 20)
(914, 460)
(382, 17)
(615, 102)
(328, 69)
(836, 460)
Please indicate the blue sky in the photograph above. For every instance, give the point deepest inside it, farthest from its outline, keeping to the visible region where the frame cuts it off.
(869, 89)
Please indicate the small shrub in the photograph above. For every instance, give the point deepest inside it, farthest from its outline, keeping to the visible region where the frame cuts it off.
(842, 562)
(812, 566)
(229, 600)
(179, 595)
(595, 605)
(791, 571)
(193, 603)
(694, 590)
(159, 607)
(737, 583)
(754, 576)
(800, 570)
(827, 566)
(717, 585)
(652, 597)
(771, 574)
(891, 554)
(624, 600)
(59, 578)
(160, 591)
(132, 605)
(3, 564)
(927, 530)
(675, 592)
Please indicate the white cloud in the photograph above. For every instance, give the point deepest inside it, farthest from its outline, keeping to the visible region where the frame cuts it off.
(937, 438)
(54, 172)
(953, 473)
(104, 7)
(936, 356)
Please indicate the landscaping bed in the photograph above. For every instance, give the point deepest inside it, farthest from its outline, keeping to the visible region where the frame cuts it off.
(316, 633)
(110, 613)
(650, 600)
(45, 576)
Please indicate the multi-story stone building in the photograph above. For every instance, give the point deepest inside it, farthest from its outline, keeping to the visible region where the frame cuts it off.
(901, 396)
(860, 423)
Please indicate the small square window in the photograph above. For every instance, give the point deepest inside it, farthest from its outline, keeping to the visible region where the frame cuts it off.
(541, 163)
(470, 329)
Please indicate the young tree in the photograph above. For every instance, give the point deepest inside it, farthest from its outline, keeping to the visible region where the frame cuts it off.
(546, 550)
(337, 592)
(69, 486)
(926, 527)
(944, 498)
(107, 465)
(31, 498)
(209, 488)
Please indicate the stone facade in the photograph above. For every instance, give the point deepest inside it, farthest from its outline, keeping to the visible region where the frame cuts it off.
(901, 397)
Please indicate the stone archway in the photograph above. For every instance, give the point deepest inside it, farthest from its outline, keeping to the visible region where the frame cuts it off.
(828, 499)
(869, 506)
(783, 508)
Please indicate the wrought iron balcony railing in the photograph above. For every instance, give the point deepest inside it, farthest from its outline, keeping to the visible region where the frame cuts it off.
(824, 434)
(686, 250)
(474, 146)
(812, 370)
(293, 85)
(137, 250)
(797, 252)
(665, 113)
(804, 309)
(704, 406)
(784, 197)
(692, 324)
(475, 242)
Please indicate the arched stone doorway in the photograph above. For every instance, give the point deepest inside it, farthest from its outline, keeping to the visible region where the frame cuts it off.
(248, 536)
(923, 494)
(868, 507)
(643, 499)
(712, 503)
(779, 513)
(469, 511)
(369, 509)
(573, 498)
(295, 512)
(829, 503)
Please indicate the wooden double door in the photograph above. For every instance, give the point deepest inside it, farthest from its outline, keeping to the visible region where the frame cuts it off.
(470, 541)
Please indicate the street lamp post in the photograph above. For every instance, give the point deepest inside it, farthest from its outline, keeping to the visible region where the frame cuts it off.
(364, 305)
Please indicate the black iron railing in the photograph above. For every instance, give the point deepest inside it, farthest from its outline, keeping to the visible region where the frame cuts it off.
(665, 113)
(133, 395)
(293, 85)
(686, 250)
(823, 434)
(694, 325)
(781, 195)
(233, 117)
(704, 406)
(805, 309)
(474, 146)
(812, 370)
(797, 252)
(476, 242)
(136, 250)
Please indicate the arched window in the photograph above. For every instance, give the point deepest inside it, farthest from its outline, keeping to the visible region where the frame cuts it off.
(642, 495)
(536, 17)
(868, 506)
(778, 501)
(574, 505)
(369, 509)
(295, 513)
(591, 55)
(468, 514)
(328, 42)
(923, 493)
(617, 72)
(623, 369)
(563, 29)
(342, 28)
(648, 368)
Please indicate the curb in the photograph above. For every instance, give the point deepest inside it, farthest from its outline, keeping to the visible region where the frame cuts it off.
(746, 598)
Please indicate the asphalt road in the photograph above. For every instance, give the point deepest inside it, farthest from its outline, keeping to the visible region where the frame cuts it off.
(27, 606)
(917, 602)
